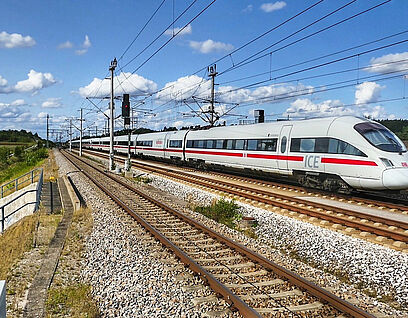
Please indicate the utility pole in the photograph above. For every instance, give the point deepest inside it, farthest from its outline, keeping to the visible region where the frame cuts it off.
(48, 117)
(112, 67)
(212, 72)
(80, 136)
(70, 134)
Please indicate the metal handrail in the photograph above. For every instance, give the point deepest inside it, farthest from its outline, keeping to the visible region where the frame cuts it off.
(14, 184)
(38, 190)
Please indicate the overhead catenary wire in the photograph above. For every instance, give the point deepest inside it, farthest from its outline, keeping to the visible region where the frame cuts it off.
(321, 65)
(263, 34)
(168, 41)
(254, 56)
(315, 59)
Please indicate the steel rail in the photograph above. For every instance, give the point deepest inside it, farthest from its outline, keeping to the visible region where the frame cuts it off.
(218, 287)
(389, 205)
(297, 280)
(403, 237)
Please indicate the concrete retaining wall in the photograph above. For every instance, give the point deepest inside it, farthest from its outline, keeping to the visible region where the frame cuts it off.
(2, 299)
(28, 209)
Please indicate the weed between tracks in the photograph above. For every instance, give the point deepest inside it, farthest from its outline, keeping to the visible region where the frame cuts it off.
(222, 211)
(142, 179)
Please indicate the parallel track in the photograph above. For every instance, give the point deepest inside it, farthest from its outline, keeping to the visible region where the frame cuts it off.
(377, 225)
(248, 281)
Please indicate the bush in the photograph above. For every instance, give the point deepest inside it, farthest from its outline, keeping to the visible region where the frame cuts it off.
(18, 152)
(222, 211)
(4, 155)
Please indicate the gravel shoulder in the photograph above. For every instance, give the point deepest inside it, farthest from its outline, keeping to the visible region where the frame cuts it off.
(132, 275)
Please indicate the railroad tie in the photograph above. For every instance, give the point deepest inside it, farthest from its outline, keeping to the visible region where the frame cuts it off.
(227, 258)
(241, 265)
(249, 274)
(273, 282)
(313, 306)
(289, 293)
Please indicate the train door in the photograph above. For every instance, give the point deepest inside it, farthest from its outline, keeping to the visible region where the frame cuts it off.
(283, 147)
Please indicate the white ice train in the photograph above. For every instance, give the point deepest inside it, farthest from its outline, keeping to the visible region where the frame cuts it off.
(332, 153)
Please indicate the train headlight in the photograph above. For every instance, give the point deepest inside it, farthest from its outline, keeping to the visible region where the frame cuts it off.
(387, 163)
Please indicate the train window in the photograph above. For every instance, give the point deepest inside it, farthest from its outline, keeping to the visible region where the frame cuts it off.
(210, 144)
(283, 144)
(200, 144)
(380, 137)
(219, 144)
(239, 144)
(175, 143)
(342, 147)
(321, 145)
(230, 144)
(252, 144)
(189, 144)
(307, 145)
(267, 144)
(295, 145)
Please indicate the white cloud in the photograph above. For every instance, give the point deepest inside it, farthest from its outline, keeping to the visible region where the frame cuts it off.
(270, 7)
(3, 81)
(368, 92)
(248, 8)
(14, 40)
(210, 46)
(85, 46)
(123, 83)
(65, 45)
(389, 63)
(184, 88)
(18, 102)
(262, 94)
(187, 30)
(306, 108)
(35, 82)
(52, 103)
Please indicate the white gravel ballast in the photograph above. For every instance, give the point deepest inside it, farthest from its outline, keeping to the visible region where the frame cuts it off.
(127, 278)
(368, 265)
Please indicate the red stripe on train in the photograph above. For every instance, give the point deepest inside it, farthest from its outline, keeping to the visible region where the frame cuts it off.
(217, 153)
(275, 157)
(348, 162)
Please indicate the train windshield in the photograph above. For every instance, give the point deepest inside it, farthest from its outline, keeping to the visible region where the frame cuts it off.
(380, 137)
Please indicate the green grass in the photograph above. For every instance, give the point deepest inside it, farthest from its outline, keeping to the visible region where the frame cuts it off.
(71, 301)
(14, 167)
(222, 211)
(15, 241)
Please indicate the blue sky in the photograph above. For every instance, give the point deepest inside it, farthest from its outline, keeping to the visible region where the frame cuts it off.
(53, 54)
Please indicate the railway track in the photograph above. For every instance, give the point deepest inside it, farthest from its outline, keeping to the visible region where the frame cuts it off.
(388, 231)
(365, 199)
(252, 284)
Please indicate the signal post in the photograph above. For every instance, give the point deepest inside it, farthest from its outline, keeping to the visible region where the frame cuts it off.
(126, 122)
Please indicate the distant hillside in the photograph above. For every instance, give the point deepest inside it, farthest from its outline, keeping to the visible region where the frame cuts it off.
(16, 136)
(398, 126)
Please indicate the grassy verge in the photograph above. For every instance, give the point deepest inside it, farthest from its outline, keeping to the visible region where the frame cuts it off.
(68, 297)
(15, 241)
(71, 301)
(14, 167)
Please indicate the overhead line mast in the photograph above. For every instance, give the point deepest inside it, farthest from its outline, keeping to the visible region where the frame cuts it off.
(112, 116)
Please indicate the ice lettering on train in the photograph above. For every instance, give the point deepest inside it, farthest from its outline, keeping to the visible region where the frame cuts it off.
(312, 161)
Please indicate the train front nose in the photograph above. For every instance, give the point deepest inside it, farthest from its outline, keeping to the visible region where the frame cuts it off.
(395, 179)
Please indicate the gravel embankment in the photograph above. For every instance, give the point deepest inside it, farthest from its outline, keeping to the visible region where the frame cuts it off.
(383, 271)
(131, 274)
(379, 270)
